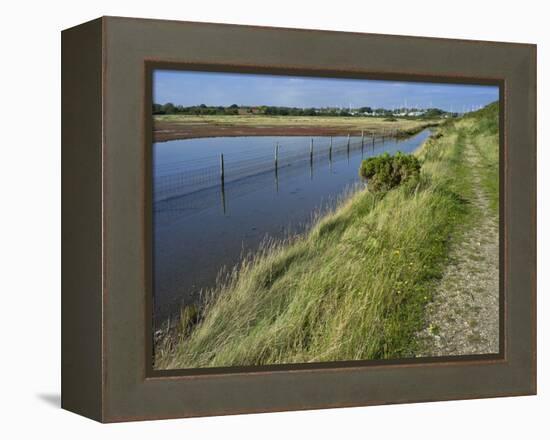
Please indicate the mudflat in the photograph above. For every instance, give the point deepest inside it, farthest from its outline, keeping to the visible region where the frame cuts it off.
(172, 127)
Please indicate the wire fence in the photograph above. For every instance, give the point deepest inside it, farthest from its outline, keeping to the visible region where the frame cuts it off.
(186, 177)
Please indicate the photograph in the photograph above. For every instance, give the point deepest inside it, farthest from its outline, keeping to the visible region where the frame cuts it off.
(303, 219)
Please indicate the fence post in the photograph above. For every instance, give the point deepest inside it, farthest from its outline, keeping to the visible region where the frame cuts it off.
(311, 151)
(362, 141)
(348, 143)
(330, 151)
(222, 169)
(373, 136)
(276, 155)
(223, 198)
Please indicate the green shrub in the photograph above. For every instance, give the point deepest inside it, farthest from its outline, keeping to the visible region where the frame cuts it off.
(385, 172)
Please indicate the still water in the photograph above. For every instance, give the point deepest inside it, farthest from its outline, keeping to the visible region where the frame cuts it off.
(205, 226)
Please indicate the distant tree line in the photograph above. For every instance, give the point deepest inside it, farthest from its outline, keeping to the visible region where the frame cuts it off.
(434, 113)
(172, 109)
(234, 109)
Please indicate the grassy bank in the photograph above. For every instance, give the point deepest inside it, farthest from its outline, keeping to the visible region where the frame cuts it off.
(354, 287)
(482, 129)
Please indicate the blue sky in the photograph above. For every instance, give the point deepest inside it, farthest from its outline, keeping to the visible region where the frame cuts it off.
(194, 88)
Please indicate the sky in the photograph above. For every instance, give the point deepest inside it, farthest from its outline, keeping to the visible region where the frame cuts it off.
(223, 89)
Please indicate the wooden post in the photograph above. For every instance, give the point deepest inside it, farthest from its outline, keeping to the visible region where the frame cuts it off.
(330, 151)
(373, 142)
(311, 151)
(276, 167)
(348, 143)
(222, 169)
(362, 141)
(223, 198)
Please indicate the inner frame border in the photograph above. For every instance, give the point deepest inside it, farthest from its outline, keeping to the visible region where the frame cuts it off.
(152, 64)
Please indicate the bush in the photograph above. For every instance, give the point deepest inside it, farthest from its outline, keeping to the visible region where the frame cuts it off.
(385, 172)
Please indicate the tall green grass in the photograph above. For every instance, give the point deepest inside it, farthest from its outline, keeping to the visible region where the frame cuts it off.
(354, 287)
(482, 127)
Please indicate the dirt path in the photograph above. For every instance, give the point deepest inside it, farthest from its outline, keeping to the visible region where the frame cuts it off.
(463, 318)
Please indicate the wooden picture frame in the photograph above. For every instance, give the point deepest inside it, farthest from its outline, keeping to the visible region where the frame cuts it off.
(106, 215)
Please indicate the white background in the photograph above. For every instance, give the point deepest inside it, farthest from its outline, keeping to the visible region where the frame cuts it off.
(30, 218)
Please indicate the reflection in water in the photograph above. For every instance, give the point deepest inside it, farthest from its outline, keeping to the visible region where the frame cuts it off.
(200, 232)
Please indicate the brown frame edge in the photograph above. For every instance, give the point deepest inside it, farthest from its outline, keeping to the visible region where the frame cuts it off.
(108, 330)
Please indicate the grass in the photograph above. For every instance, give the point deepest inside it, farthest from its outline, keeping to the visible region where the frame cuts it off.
(482, 127)
(354, 287)
(352, 123)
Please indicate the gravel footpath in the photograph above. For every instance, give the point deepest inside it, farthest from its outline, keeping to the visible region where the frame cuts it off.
(464, 315)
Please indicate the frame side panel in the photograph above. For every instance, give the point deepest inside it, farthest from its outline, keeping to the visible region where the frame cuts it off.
(81, 213)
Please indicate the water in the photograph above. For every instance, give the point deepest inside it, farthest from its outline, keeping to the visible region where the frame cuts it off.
(203, 226)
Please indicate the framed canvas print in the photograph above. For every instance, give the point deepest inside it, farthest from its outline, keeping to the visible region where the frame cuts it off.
(263, 219)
